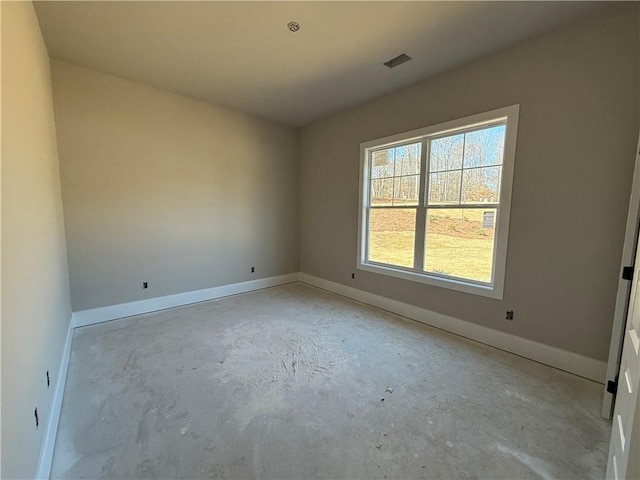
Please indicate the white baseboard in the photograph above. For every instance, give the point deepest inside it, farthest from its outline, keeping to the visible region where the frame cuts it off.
(555, 357)
(103, 314)
(48, 443)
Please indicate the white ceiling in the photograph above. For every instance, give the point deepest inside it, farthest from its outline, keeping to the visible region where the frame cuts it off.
(241, 54)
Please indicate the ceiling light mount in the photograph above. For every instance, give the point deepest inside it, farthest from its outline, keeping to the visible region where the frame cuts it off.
(293, 26)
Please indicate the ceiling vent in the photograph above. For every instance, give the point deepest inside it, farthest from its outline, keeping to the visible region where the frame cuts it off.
(395, 61)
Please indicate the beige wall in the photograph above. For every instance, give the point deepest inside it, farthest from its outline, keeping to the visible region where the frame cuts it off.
(578, 95)
(166, 189)
(35, 287)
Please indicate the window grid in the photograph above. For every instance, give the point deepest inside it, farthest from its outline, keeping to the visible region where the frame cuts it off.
(491, 182)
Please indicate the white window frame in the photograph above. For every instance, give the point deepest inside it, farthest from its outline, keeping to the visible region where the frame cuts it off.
(493, 289)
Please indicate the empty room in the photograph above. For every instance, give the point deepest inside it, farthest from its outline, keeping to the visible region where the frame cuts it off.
(332, 240)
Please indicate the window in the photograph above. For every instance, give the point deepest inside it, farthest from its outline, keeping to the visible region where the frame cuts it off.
(435, 203)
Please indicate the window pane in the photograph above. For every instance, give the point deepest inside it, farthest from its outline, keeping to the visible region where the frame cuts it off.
(381, 191)
(481, 185)
(382, 163)
(446, 153)
(444, 188)
(459, 242)
(392, 235)
(484, 147)
(405, 190)
(408, 159)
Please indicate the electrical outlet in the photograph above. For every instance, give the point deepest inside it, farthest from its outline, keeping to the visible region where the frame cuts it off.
(509, 315)
(48, 380)
(353, 275)
(253, 269)
(145, 284)
(35, 414)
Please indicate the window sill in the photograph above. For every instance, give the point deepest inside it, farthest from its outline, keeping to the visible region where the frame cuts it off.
(490, 291)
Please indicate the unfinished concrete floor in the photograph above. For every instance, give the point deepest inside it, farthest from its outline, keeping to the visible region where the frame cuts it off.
(295, 382)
